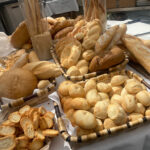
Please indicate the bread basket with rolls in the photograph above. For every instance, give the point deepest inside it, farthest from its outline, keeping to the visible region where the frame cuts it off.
(88, 49)
(24, 79)
(102, 106)
(28, 128)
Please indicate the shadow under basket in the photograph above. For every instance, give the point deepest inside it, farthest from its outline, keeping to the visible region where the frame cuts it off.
(106, 132)
(118, 67)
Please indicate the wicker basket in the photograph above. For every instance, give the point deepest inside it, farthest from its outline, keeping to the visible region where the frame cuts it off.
(120, 66)
(106, 132)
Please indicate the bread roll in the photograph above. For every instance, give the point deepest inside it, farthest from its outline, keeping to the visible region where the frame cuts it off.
(124, 92)
(17, 83)
(69, 115)
(129, 103)
(85, 119)
(73, 71)
(100, 109)
(89, 85)
(63, 88)
(108, 123)
(99, 125)
(103, 87)
(135, 116)
(47, 71)
(118, 80)
(117, 114)
(80, 104)
(76, 90)
(143, 97)
(133, 87)
(43, 84)
(33, 57)
(116, 99)
(103, 96)
(147, 112)
(140, 108)
(93, 97)
(116, 90)
(67, 105)
(88, 55)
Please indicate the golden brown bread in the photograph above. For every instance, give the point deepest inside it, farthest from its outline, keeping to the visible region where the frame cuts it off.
(139, 51)
(114, 57)
(17, 83)
(104, 40)
(20, 36)
(62, 33)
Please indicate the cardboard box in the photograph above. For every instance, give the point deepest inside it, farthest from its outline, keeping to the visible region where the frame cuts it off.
(120, 3)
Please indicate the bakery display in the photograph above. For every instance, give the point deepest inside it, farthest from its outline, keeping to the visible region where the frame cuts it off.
(27, 128)
(104, 102)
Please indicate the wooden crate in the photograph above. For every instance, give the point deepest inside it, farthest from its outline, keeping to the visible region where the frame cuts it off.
(120, 3)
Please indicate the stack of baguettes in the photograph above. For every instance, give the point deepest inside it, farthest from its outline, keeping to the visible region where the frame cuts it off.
(82, 45)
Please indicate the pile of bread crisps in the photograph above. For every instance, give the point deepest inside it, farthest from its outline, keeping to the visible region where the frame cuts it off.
(96, 105)
(27, 129)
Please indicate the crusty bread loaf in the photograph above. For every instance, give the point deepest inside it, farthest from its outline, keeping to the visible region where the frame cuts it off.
(104, 40)
(20, 36)
(114, 57)
(33, 57)
(139, 51)
(17, 83)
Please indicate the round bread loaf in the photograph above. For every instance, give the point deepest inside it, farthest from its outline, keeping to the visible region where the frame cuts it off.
(144, 97)
(76, 90)
(118, 80)
(100, 109)
(17, 83)
(133, 87)
(85, 119)
(140, 108)
(93, 97)
(129, 103)
(135, 116)
(116, 99)
(103, 96)
(117, 114)
(90, 84)
(103, 87)
(64, 88)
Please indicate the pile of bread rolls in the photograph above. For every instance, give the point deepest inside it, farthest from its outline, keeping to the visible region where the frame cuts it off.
(96, 105)
(24, 72)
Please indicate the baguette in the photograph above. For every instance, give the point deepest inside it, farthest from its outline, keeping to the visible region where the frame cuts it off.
(139, 51)
(7, 143)
(114, 57)
(104, 40)
(118, 36)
